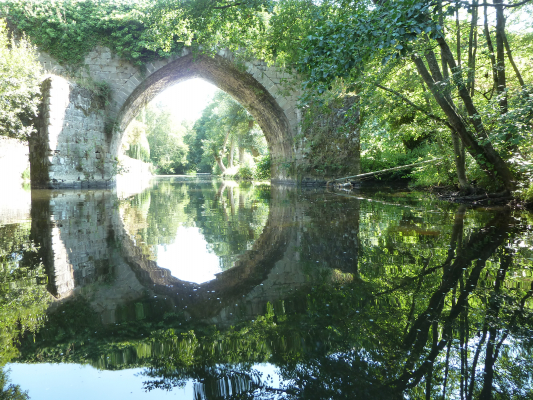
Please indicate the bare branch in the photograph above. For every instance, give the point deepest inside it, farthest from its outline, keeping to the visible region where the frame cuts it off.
(416, 107)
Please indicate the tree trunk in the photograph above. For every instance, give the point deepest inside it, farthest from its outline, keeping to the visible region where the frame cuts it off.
(474, 364)
(458, 38)
(500, 56)
(355, 137)
(220, 164)
(490, 47)
(472, 45)
(485, 155)
(458, 146)
(231, 153)
(499, 165)
(493, 311)
(255, 152)
(509, 55)
(231, 200)
(219, 157)
(460, 161)
(241, 155)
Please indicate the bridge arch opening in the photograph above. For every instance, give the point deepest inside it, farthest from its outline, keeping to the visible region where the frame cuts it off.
(194, 127)
(239, 84)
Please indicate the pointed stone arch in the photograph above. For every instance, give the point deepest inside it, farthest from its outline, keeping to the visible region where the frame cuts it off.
(221, 72)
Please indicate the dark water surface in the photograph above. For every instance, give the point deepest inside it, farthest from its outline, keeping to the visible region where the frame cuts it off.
(210, 290)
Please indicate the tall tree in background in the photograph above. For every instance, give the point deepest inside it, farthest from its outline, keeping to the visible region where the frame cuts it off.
(225, 128)
(168, 152)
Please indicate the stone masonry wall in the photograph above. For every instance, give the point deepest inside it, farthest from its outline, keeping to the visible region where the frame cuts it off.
(76, 236)
(70, 148)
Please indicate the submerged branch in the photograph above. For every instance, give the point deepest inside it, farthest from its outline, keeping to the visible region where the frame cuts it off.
(382, 171)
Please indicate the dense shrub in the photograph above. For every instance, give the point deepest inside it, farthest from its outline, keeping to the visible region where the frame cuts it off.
(262, 168)
(245, 172)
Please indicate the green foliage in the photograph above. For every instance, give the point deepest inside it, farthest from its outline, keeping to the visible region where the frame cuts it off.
(246, 172)
(230, 217)
(134, 142)
(262, 168)
(337, 49)
(23, 295)
(9, 391)
(364, 46)
(331, 136)
(168, 152)
(137, 30)
(224, 127)
(69, 29)
(342, 44)
(387, 284)
(19, 86)
(25, 175)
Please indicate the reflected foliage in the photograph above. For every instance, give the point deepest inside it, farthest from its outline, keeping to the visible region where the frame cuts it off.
(9, 391)
(230, 217)
(438, 305)
(406, 299)
(23, 298)
(23, 295)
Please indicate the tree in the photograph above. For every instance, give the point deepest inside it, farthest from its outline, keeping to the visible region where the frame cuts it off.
(9, 391)
(168, 151)
(226, 126)
(19, 85)
(134, 143)
(394, 33)
(23, 295)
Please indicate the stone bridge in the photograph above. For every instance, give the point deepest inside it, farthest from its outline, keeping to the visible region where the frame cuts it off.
(79, 132)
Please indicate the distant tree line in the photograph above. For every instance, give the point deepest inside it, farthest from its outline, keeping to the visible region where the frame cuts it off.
(224, 140)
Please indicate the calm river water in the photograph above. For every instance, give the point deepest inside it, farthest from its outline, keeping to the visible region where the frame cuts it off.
(211, 290)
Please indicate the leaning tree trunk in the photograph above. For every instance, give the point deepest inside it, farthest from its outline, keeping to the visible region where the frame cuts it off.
(511, 60)
(220, 164)
(484, 155)
(458, 146)
(491, 155)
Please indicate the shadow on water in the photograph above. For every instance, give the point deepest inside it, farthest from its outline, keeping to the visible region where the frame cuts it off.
(368, 296)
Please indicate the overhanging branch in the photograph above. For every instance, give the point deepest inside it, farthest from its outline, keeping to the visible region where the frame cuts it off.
(416, 107)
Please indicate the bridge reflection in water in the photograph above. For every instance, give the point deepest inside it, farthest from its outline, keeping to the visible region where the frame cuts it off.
(365, 295)
(93, 245)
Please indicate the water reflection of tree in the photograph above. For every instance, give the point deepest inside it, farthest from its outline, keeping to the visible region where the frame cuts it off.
(230, 216)
(23, 297)
(231, 219)
(153, 216)
(455, 328)
(442, 313)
